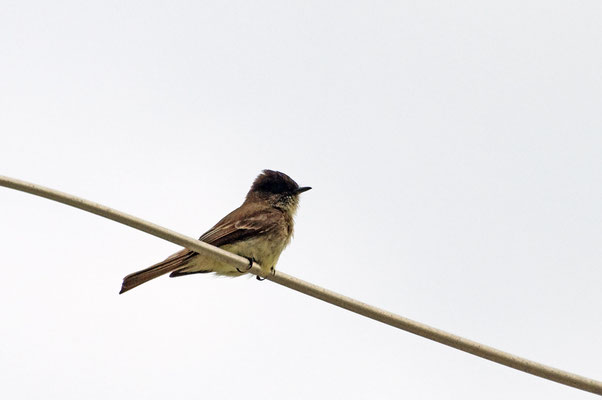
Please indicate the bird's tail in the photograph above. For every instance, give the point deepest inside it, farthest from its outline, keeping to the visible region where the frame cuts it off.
(174, 262)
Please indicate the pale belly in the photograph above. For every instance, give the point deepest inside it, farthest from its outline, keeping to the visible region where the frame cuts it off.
(264, 250)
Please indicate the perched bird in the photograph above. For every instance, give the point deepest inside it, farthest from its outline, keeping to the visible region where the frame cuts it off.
(259, 230)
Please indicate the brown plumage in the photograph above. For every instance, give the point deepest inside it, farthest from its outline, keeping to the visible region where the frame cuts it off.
(259, 229)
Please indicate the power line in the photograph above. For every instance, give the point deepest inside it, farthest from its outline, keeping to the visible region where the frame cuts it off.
(457, 342)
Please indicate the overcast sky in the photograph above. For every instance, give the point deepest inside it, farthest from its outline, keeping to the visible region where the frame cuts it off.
(455, 151)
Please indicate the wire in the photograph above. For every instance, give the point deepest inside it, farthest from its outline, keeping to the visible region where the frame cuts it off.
(448, 339)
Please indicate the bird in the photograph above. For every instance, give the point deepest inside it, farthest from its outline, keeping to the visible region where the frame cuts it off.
(258, 230)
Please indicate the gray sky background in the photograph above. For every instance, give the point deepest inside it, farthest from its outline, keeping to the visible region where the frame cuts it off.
(455, 151)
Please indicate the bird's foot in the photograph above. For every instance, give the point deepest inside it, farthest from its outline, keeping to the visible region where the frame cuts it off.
(272, 272)
(251, 261)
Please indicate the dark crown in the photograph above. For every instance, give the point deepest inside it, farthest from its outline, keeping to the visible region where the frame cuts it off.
(274, 182)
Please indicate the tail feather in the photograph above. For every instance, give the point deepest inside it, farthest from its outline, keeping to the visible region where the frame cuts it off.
(184, 272)
(174, 262)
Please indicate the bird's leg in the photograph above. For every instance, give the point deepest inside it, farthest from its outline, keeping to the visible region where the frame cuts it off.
(251, 261)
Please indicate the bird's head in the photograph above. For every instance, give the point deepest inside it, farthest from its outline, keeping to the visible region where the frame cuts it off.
(278, 189)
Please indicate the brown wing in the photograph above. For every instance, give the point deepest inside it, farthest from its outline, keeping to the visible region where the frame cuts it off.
(240, 225)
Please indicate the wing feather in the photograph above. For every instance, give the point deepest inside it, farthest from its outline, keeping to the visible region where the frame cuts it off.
(232, 229)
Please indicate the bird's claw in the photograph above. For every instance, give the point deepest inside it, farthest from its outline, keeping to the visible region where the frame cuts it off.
(251, 261)
(272, 272)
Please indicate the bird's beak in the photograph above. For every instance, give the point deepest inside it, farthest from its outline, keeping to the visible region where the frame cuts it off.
(302, 189)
